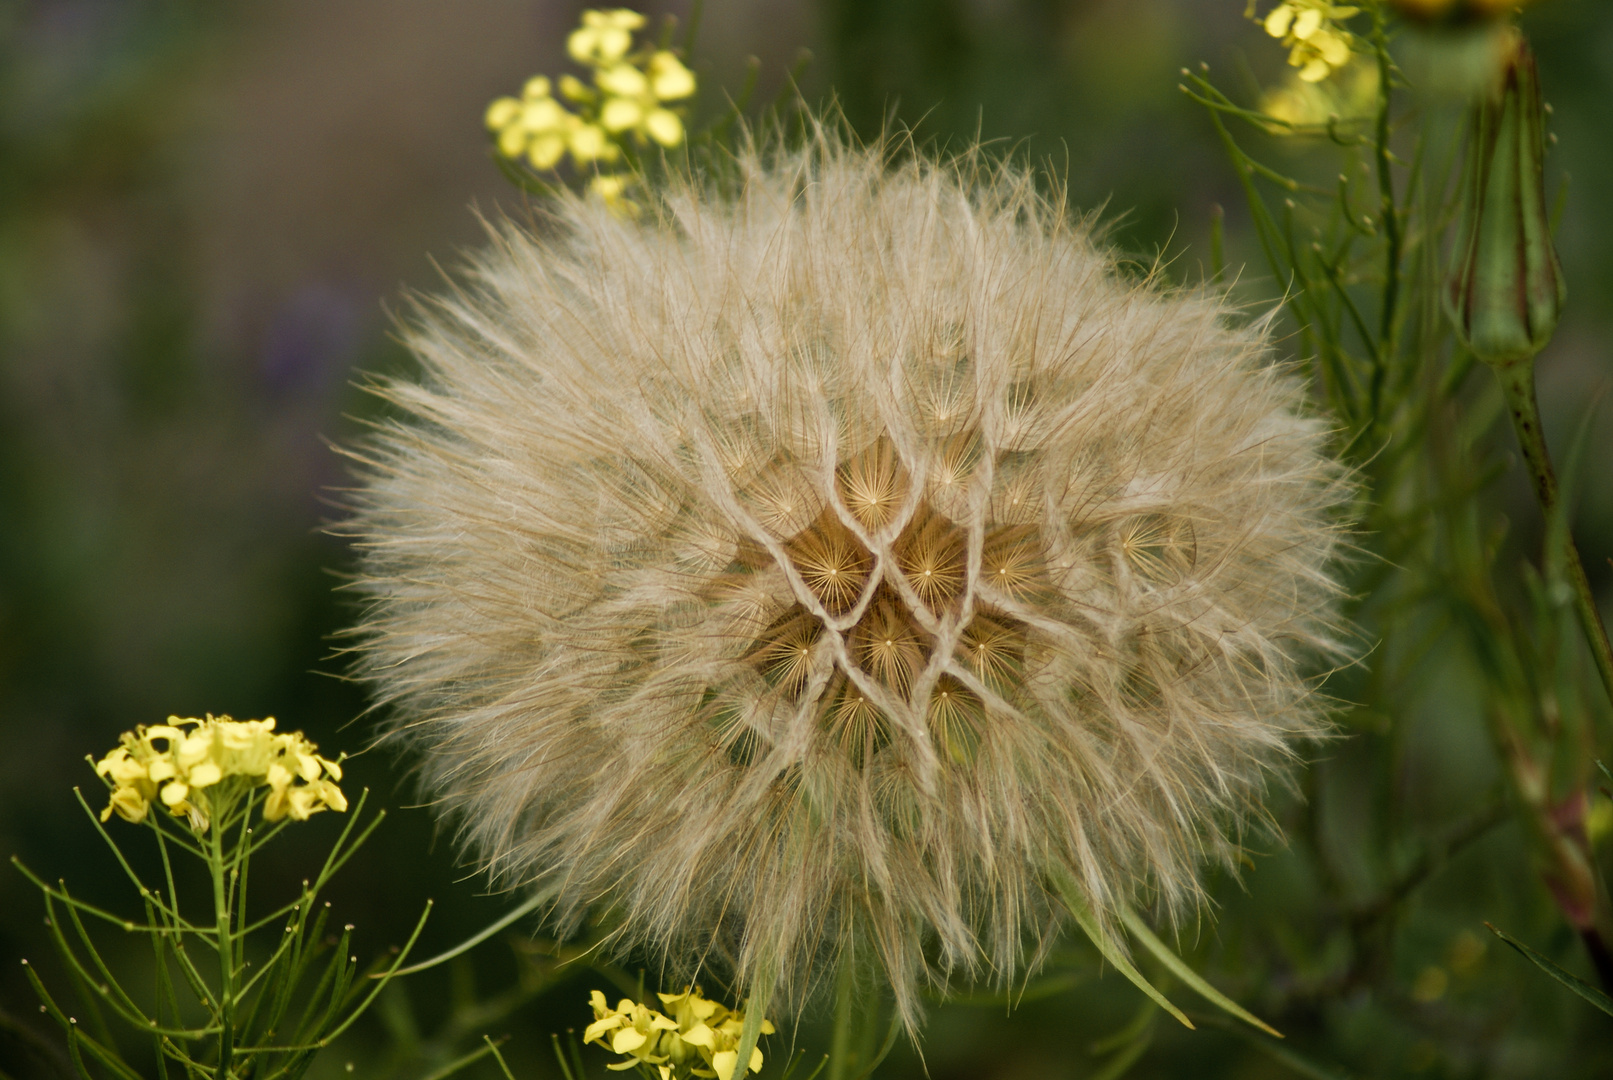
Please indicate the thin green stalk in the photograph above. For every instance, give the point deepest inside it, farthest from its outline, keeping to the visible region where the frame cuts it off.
(840, 1041)
(226, 951)
(1518, 383)
(1390, 214)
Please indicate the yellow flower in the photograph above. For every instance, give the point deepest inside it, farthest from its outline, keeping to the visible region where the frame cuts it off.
(700, 1038)
(611, 188)
(1351, 96)
(1311, 30)
(669, 79)
(604, 36)
(178, 763)
(535, 127)
(628, 99)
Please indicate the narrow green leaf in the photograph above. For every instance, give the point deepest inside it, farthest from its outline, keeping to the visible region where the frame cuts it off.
(488, 1047)
(1071, 895)
(535, 901)
(560, 1056)
(492, 1048)
(1176, 966)
(755, 1013)
(1573, 982)
(884, 1050)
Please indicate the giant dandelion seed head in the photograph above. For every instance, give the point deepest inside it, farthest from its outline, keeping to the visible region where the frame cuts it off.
(820, 563)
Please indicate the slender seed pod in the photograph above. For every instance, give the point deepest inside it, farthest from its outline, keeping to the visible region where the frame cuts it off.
(821, 562)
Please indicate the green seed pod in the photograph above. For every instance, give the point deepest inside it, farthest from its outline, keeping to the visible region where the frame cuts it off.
(1506, 288)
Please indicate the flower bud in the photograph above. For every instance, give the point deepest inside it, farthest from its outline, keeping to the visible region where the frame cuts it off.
(1506, 288)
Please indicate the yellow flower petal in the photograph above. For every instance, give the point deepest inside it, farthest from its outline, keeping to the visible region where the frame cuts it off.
(724, 1063)
(1315, 71)
(588, 142)
(700, 1035)
(600, 1026)
(1334, 49)
(1280, 19)
(194, 749)
(205, 775)
(623, 80)
(612, 44)
(1308, 22)
(664, 127)
(620, 114)
(501, 112)
(545, 114)
(161, 769)
(620, 19)
(580, 44)
(536, 87)
(627, 1040)
(129, 805)
(572, 89)
(669, 79)
(276, 805)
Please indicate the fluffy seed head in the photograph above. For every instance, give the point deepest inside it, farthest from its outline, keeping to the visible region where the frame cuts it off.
(816, 564)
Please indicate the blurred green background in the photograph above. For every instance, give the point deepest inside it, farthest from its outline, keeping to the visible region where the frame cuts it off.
(207, 211)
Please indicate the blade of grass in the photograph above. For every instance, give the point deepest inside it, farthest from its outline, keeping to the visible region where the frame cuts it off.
(1082, 913)
(1566, 978)
(1176, 966)
(498, 1057)
(535, 901)
(755, 1013)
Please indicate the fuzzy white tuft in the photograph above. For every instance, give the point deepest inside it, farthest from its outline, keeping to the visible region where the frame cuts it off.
(814, 566)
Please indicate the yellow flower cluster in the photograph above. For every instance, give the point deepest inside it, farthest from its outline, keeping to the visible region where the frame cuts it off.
(700, 1038)
(1313, 34)
(1349, 97)
(181, 762)
(628, 99)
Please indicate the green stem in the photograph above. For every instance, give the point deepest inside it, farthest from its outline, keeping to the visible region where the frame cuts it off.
(1390, 216)
(1518, 382)
(226, 951)
(840, 1040)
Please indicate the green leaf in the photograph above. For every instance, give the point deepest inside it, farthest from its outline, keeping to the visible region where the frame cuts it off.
(1573, 982)
(492, 1048)
(532, 903)
(1175, 965)
(1082, 911)
(755, 1012)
